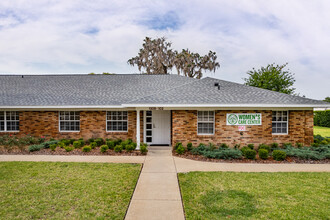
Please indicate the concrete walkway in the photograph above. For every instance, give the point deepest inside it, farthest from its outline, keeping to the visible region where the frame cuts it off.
(157, 193)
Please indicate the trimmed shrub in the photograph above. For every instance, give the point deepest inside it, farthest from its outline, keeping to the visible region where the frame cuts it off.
(322, 118)
(53, 147)
(180, 149)
(250, 154)
(35, 147)
(111, 144)
(99, 141)
(93, 145)
(66, 142)
(86, 148)
(76, 144)
(299, 145)
(224, 146)
(223, 153)
(68, 148)
(309, 153)
(273, 146)
(130, 147)
(244, 149)
(104, 148)
(189, 146)
(279, 155)
(251, 146)
(81, 142)
(91, 140)
(264, 146)
(61, 144)
(263, 154)
(117, 141)
(118, 148)
(177, 145)
(143, 148)
(125, 143)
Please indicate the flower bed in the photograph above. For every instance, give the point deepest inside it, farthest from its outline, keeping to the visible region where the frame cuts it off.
(93, 146)
(318, 153)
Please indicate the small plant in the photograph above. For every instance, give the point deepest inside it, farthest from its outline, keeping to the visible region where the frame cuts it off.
(61, 145)
(104, 148)
(237, 146)
(263, 154)
(223, 146)
(93, 145)
(111, 144)
(91, 140)
(99, 141)
(86, 148)
(143, 148)
(125, 143)
(244, 149)
(264, 146)
(177, 145)
(279, 155)
(66, 142)
(299, 145)
(286, 145)
(76, 144)
(250, 154)
(273, 146)
(180, 149)
(117, 142)
(251, 146)
(53, 147)
(68, 148)
(35, 147)
(189, 146)
(211, 146)
(130, 147)
(118, 148)
(81, 142)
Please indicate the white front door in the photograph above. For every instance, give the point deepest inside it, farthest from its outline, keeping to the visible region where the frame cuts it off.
(161, 127)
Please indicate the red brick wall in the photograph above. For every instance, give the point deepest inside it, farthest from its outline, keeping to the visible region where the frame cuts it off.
(92, 124)
(185, 129)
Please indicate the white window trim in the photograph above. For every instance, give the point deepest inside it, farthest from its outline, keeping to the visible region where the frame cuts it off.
(206, 122)
(59, 122)
(287, 123)
(106, 122)
(5, 121)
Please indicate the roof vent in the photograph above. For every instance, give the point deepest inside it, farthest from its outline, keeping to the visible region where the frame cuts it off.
(217, 85)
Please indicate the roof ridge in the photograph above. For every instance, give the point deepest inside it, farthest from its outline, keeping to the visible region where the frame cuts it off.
(192, 81)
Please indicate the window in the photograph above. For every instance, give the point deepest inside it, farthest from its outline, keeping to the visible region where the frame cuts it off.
(280, 122)
(69, 121)
(9, 121)
(117, 121)
(205, 122)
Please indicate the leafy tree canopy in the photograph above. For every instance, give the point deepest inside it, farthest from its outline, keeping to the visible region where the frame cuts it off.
(273, 77)
(327, 99)
(157, 57)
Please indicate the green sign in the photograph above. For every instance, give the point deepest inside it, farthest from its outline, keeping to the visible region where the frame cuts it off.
(244, 119)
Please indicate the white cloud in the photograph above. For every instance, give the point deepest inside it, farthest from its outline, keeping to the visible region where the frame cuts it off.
(99, 36)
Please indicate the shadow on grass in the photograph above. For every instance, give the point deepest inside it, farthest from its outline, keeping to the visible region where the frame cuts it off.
(232, 203)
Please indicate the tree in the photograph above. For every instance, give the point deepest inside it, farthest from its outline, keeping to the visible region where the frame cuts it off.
(273, 78)
(157, 57)
(327, 99)
(192, 64)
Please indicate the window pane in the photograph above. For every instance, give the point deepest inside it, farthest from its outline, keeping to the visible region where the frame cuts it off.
(2, 116)
(149, 113)
(2, 125)
(149, 126)
(149, 133)
(149, 119)
(149, 139)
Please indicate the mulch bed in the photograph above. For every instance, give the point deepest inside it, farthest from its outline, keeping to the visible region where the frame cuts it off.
(61, 151)
(291, 160)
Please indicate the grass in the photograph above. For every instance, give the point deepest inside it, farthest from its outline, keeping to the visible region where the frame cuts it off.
(222, 195)
(49, 190)
(323, 131)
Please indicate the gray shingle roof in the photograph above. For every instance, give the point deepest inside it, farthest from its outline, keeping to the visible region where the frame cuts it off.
(134, 89)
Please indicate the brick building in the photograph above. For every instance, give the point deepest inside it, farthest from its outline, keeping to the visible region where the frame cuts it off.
(165, 108)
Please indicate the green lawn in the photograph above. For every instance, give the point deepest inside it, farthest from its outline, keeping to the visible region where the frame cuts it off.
(49, 190)
(323, 131)
(222, 195)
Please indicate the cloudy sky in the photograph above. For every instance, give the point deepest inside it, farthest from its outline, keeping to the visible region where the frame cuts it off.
(100, 36)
